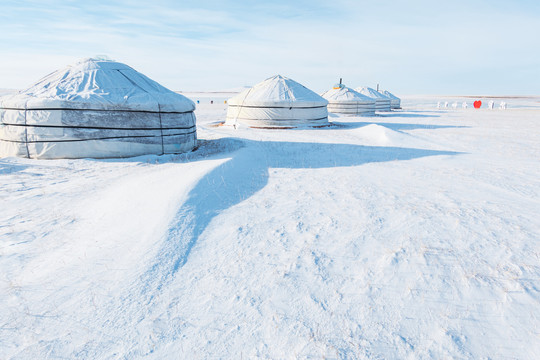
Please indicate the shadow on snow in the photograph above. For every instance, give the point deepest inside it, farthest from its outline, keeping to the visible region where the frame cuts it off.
(247, 173)
(7, 168)
(408, 114)
(391, 126)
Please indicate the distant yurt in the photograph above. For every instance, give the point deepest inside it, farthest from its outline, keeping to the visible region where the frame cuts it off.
(395, 102)
(344, 100)
(277, 102)
(382, 103)
(96, 109)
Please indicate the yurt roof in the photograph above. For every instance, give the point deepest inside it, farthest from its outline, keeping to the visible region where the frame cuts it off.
(278, 91)
(389, 94)
(345, 94)
(99, 85)
(372, 93)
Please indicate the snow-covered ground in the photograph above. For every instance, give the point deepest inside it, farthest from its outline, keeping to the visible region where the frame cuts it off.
(413, 234)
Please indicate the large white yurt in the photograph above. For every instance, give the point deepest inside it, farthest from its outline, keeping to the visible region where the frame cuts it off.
(395, 102)
(98, 109)
(382, 103)
(344, 100)
(277, 102)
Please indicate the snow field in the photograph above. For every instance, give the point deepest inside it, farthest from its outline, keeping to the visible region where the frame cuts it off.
(412, 234)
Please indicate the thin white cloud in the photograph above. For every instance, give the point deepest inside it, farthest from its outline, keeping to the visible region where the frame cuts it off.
(408, 46)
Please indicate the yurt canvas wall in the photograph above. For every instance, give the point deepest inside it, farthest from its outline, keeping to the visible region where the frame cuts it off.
(277, 102)
(344, 100)
(395, 102)
(97, 109)
(382, 103)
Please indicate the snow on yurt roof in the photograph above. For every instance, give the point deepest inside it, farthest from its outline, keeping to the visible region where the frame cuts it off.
(372, 93)
(278, 91)
(95, 84)
(341, 93)
(389, 94)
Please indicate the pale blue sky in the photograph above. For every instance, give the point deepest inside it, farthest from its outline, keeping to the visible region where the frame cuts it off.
(409, 47)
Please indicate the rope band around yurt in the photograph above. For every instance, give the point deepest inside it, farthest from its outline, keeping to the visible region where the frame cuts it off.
(277, 107)
(26, 131)
(95, 139)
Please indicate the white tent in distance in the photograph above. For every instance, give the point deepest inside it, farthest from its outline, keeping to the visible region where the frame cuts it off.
(382, 102)
(395, 102)
(277, 102)
(344, 100)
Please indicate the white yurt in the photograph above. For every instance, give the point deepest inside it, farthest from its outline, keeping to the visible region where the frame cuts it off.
(97, 109)
(395, 102)
(277, 102)
(344, 100)
(382, 103)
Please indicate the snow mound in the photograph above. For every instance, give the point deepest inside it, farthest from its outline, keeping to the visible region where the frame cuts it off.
(379, 135)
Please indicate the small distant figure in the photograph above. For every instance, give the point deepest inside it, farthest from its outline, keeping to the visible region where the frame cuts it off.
(490, 104)
(454, 105)
(198, 101)
(446, 104)
(225, 102)
(464, 105)
(211, 101)
(502, 106)
(438, 104)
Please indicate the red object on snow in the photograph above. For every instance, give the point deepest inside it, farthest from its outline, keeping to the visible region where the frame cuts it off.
(477, 104)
